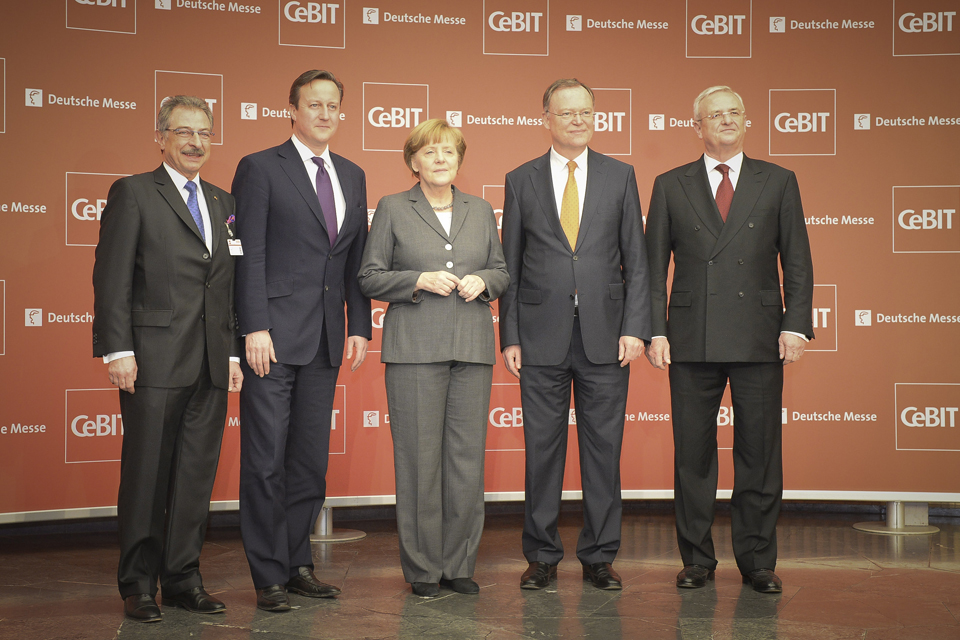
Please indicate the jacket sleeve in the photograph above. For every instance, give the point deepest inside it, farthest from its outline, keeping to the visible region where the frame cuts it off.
(494, 274)
(380, 277)
(513, 247)
(251, 190)
(633, 265)
(796, 262)
(359, 322)
(658, 245)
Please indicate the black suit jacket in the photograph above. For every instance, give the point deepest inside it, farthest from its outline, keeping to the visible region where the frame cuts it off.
(725, 304)
(157, 290)
(607, 269)
(290, 280)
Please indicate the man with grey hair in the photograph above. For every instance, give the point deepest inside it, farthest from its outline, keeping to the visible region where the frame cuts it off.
(576, 313)
(727, 219)
(164, 324)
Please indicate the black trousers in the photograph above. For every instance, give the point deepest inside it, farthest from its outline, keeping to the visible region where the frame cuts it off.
(284, 442)
(756, 389)
(171, 447)
(600, 398)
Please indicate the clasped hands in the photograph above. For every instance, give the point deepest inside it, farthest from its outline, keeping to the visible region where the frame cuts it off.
(443, 283)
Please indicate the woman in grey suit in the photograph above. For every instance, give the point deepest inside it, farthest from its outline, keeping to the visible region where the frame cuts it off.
(434, 254)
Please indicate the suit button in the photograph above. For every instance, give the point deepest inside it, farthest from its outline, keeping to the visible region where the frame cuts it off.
(203, 317)
(449, 265)
(448, 247)
(330, 257)
(696, 228)
(750, 225)
(206, 256)
(740, 294)
(710, 263)
(208, 285)
(740, 261)
(575, 257)
(326, 288)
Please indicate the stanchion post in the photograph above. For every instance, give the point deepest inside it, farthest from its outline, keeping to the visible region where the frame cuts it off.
(903, 518)
(323, 530)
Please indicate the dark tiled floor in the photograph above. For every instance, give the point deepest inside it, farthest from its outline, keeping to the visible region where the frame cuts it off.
(838, 583)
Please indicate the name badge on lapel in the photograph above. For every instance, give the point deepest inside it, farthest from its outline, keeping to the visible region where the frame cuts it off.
(236, 249)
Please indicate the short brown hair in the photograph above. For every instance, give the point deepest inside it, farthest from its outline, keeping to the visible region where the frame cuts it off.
(306, 78)
(188, 102)
(431, 132)
(563, 83)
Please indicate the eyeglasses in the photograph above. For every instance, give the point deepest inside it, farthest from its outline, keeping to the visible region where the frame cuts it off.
(733, 113)
(186, 134)
(567, 116)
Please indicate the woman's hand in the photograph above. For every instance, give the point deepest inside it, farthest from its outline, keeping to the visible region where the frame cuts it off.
(470, 287)
(440, 282)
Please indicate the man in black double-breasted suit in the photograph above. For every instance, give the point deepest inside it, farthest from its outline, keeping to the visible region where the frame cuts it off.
(302, 218)
(727, 220)
(164, 323)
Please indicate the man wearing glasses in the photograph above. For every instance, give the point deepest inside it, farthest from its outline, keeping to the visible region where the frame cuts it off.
(727, 219)
(577, 311)
(164, 324)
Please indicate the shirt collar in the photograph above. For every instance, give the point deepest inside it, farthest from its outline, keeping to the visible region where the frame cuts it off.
(307, 155)
(179, 179)
(559, 162)
(734, 163)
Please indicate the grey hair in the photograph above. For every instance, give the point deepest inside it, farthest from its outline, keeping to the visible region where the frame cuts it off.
(189, 102)
(710, 91)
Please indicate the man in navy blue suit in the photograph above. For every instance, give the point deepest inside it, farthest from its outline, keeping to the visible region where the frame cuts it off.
(302, 219)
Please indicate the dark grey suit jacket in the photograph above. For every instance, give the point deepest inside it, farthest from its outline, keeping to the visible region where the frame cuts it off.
(290, 280)
(725, 302)
(607, 271)
(406, 239)
(157, 290)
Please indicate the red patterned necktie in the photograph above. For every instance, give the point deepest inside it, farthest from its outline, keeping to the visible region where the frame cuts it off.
(724, 191)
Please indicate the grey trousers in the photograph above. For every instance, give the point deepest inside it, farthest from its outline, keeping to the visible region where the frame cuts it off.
(438, 419)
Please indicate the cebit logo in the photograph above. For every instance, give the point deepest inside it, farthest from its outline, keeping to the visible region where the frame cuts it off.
(656, 122)
(730, 25)
(924, 219)
(518, 27)
(861, 121)
(574, 23)
(33, 317)
(34, 97)
(801, 122)
(371, 418)
(824, 317)
(505, 418)
(103, 3)
(611, 121)
(926, 22)
(515, 21)
(778, 24)
(371, 15)
(248, 110)
(929, 417)
(97, 426)
(93, 426)
(82, 209)
(391, 110)
(455, 119)
(608, 120)
(85, 202)
(862, 318)
(111, 16)
(313, 12)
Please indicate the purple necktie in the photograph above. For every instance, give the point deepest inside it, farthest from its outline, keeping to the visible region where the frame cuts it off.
(194, 207)
(724, 192)
(325, 196)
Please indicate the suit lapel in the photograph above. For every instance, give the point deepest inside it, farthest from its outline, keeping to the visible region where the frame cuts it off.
(543, 186)
(217, 227)
(168, 190)
(349, 191)
(292, 165)
(596, 180)
(459, 214)
(425, 211)
(749, 186)
(696, 186)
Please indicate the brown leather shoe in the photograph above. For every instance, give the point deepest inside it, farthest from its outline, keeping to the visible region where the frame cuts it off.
(538, 575)
(763, 581)
(694, 576)
(195, 600)
(273, 598)
(602, 575)
(141, 607)
(306, 584)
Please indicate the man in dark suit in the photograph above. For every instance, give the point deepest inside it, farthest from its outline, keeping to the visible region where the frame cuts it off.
(302, 217)
(578, 310)
(164, 323)
(727, 219)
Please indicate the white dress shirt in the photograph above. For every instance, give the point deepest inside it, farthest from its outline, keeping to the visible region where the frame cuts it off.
(559, 173)
(313, 169)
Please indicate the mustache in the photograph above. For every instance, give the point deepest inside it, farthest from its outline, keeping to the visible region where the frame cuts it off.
(193, 151)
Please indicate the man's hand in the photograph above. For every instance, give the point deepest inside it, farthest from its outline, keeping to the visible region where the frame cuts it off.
(260, 352)
(631, 348)
(511, 358)
(123, 373)
(791, 347)
(236, 377)
(356, 344)
(439, 282)
(470, 287)
(658, 353)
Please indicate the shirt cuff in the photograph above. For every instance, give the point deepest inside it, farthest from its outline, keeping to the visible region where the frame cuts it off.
(116, 355)
(235, 359)
(799, 335)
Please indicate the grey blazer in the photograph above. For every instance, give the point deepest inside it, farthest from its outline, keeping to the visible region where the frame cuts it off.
(406, 239)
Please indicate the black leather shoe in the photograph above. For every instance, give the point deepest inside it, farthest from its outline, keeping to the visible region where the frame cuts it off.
(602, 575)
(273, 598)
(141, 607)
(462, 585)
(764, 581)
(425, 589)
(195, 600)
(538, 575)
(694, 576)
(306, 584)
